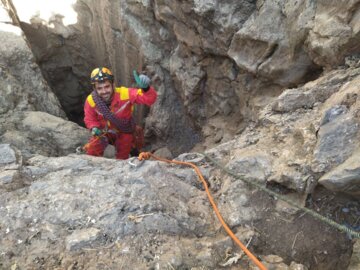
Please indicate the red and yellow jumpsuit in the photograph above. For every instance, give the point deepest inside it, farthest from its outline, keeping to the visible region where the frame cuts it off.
(122, 107)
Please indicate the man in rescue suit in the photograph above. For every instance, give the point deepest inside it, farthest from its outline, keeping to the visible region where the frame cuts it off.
(108, 112)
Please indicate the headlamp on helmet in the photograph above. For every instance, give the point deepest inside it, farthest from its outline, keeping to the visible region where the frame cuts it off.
(101, 74)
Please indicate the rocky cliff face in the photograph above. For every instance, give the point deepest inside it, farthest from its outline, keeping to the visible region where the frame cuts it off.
(270, 88)
(212, 61)
(31, 116)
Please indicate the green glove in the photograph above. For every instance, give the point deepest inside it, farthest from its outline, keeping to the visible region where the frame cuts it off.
(142, 81)
(96, 131)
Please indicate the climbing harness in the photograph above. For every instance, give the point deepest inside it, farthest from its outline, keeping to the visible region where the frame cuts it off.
(138, 142)
(147, 155)
(84, 149)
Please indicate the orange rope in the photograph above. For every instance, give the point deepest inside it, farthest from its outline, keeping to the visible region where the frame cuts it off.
(147, 155)
(85, 147)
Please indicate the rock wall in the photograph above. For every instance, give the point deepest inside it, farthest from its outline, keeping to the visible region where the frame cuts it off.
(212, 61)
(22, 84)
(216, 66)
(241, 75)
(305, 133)
(31, 117)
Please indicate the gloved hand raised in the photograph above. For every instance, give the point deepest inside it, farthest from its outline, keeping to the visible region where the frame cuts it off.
(142, 81)
(96, 131)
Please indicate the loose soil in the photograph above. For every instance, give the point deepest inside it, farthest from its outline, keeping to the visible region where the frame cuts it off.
(304, 239)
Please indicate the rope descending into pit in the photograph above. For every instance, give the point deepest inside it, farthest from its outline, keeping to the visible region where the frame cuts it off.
(314, 214)
(147, 155)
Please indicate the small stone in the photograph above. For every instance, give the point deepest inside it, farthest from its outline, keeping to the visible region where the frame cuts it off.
(297, 266)
(218, 137)
(7, 154)
(81, 238)
(164, 152)
(273, 259)
(7, 177)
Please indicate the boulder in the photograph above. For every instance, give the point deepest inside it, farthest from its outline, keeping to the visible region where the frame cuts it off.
(336, 142)
(252, 165)
(41, 133)
(267, 43)
(164, 153)
(345, 177)
(22, 85)
(333, 37)
(313, 92)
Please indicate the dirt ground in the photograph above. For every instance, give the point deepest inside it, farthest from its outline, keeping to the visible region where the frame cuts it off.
(304, 239)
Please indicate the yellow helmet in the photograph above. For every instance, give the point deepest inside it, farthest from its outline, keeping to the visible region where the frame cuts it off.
(101, 74)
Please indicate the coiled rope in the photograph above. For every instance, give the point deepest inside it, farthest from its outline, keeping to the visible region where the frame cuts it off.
(147, 155)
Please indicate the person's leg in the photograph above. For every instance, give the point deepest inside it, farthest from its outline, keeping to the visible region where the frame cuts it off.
(96, 146)
(123, 145)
